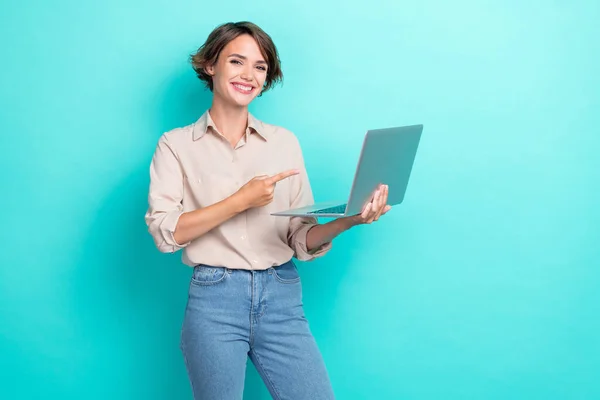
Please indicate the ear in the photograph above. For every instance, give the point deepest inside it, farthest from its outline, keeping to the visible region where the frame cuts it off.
(210, 70)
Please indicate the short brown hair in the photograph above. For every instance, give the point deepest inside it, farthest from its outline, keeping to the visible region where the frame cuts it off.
(209, 52)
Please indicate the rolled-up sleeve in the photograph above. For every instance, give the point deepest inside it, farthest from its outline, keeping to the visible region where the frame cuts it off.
(300, 196)
(165, 197)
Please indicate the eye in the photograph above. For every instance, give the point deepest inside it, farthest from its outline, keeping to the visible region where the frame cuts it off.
(262, 68)
(236, 62)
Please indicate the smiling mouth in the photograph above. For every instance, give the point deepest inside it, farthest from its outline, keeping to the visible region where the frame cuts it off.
(243, 88)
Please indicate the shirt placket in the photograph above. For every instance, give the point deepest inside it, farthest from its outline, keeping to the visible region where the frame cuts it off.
(239, 172)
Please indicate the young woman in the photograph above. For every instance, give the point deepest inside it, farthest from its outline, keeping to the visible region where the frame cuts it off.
(213, 186)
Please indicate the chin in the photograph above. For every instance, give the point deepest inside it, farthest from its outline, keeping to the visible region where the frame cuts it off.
(244, 102)
(241, 102)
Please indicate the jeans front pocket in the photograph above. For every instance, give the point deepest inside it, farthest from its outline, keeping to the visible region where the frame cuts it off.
(205, 275)
(286, 273)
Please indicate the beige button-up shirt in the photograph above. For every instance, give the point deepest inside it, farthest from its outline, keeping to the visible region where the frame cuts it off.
(195, 166)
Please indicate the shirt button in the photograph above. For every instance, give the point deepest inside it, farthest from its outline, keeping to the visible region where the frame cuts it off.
(243, 237)
(255, 262)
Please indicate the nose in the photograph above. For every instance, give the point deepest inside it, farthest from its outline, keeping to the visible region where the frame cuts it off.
(247, 75)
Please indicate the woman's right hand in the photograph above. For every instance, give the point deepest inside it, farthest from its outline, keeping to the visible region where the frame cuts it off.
(259, 191)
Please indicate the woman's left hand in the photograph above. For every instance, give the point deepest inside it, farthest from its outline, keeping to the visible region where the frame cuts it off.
(374, 209)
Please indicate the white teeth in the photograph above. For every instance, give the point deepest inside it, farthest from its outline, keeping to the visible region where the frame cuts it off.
(244, 88)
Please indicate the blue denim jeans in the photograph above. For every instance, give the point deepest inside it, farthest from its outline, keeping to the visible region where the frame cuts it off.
(234, 314)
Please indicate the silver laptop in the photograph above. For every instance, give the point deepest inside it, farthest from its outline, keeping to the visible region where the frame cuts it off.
(386, 157)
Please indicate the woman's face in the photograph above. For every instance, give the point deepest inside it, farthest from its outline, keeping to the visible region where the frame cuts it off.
(239, 73)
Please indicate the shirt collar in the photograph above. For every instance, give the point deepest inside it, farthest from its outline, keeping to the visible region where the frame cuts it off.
(205, 121)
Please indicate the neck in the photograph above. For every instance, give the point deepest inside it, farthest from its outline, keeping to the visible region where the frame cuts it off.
(231, 121)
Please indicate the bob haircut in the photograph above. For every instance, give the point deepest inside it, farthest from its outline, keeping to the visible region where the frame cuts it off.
(209, 52)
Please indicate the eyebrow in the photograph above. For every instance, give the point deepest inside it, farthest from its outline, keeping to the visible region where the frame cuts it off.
(245, 58)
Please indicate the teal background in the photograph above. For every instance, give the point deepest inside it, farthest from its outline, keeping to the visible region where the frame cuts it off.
(484, 284)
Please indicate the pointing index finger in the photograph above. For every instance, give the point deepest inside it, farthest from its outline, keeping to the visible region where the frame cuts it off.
(282, 175)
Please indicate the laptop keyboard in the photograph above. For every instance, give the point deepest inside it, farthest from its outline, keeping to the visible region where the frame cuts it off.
(331, 210)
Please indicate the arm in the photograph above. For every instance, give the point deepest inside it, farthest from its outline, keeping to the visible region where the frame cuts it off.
(299, 227)
(170, 227)
(255, 193)
(306, 236)
(319, 235)
(196, 223)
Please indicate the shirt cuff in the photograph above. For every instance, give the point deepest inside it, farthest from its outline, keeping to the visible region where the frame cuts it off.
(302, 252)
(167, 228)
